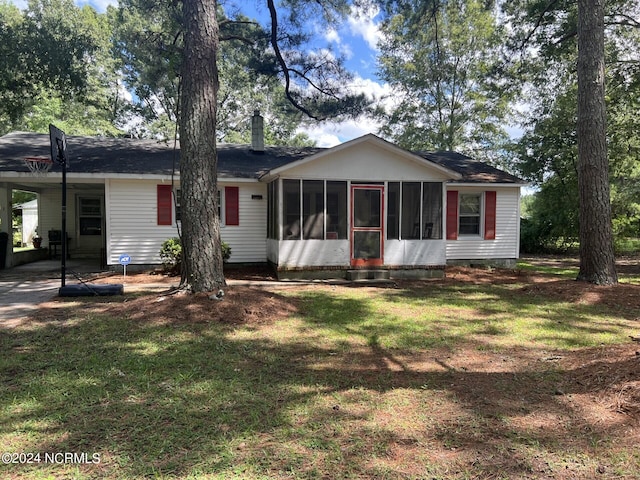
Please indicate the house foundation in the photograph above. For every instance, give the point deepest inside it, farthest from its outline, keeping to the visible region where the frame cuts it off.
(484, 263)
(356, 274)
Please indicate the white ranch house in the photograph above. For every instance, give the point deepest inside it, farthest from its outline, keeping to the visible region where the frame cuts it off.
(365, 204)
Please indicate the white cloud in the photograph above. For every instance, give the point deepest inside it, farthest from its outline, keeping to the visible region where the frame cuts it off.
(331, 133)
(99, 5)
(362, 22)
(322, 136)
(332, 35)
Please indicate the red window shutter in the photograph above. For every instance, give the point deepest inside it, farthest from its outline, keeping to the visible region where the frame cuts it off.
(452, 215)
(232, 205)
(165, 206)
(490, 215)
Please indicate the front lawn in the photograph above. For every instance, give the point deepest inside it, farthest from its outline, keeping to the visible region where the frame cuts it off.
(485, 374)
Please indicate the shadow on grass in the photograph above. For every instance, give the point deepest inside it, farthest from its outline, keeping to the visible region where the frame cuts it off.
(561, 313)
(189, 398)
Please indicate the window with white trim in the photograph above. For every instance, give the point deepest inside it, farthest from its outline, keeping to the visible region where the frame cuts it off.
(469, 214)
(90, 215)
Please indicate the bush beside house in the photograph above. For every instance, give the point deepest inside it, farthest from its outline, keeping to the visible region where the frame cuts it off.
(171, 254)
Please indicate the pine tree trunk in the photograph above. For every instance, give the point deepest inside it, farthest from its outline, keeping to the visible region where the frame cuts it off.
(597, 260)
(202, 254)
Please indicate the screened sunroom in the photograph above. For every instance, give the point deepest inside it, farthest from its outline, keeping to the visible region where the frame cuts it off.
(345, 224)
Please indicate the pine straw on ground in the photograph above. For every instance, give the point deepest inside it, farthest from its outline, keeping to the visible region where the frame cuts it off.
(621, 297)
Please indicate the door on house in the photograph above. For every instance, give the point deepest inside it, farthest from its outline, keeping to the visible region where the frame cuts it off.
(90, 221)
(367, 225)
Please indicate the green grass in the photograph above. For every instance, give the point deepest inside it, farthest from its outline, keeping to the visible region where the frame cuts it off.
(360, 383)
(562, 268)
(568, 267)
(435, 316)
(627, 246)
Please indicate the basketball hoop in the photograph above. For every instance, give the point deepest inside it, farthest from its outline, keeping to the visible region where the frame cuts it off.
(38, 166)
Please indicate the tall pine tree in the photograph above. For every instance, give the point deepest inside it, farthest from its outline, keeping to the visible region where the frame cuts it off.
(312, 84)
(597, 260)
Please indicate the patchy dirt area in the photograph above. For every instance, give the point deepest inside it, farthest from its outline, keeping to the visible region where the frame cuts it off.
(623, 296)
(240, 305)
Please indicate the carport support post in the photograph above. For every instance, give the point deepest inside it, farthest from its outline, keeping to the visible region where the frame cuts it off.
(5, 221)
(63, 240)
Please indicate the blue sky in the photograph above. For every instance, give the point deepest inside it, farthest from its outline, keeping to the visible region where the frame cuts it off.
(355, 39)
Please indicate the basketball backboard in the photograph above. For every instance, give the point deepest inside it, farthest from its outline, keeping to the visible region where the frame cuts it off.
(58, 145)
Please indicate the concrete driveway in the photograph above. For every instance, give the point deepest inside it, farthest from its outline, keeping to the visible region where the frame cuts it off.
(19, 296)
(24, 287)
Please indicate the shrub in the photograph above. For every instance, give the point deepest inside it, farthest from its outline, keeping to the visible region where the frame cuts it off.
(532, 237)
(226, 251)
(171, 254)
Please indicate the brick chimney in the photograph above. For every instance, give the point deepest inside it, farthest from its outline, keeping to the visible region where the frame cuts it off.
(257, 132)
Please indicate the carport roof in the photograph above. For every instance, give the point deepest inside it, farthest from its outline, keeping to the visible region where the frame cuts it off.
(104, 155)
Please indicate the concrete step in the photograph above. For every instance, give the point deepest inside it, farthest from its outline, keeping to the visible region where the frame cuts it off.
(81, 253)
(84, 255)
(366, 274)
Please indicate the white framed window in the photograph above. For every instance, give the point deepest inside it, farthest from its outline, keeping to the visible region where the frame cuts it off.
(469, 214)
(90, 215)
(177, 201)
(221, 207)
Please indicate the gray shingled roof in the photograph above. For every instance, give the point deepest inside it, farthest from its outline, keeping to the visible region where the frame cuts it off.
(471, 170)
(136, 156)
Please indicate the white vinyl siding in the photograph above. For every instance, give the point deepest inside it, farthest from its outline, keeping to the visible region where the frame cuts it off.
(133, 229)
(132, 222)
(367, 162)
(248, 240)
(506, 243)
(311, 253)
(50, 208)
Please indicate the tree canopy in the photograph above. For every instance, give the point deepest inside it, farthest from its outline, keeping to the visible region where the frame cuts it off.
(48, 49)
(547, 152)
(441, 60)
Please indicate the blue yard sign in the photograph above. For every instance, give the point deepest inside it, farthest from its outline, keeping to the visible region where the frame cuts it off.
(125, 259)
